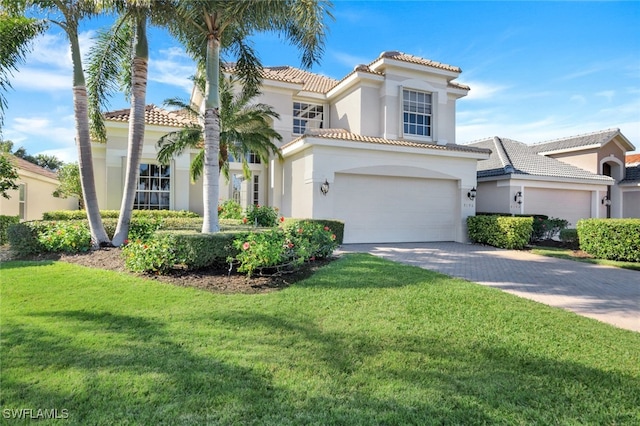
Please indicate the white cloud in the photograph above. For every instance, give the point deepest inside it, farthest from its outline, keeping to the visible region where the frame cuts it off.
(607, 94)
(173, 67)
(481, 91)
(349, 60)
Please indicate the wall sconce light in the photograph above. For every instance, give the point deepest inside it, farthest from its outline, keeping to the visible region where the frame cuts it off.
(324, 187)
(472, 193)
(606, 201)
(518, 197)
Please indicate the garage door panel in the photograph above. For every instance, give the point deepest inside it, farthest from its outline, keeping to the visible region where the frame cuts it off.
(395, 209)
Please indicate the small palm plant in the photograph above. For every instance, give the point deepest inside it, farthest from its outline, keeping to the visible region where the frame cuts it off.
(244, 128)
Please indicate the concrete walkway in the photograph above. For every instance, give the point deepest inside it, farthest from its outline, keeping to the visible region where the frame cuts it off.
(608, 294)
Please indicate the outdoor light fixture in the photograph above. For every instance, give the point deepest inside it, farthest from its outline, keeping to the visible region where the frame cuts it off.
(518, 197)
(472, 193)
(324, 187)
(606, 201)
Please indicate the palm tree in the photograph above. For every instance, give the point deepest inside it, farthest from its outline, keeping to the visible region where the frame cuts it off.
(207, 27)
(244, 128)
(121, 55)
(16, 33)
(72, 12)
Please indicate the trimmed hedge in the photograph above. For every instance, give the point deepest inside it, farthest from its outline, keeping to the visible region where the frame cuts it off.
(613, 239)
(5, 221)
(500, 231)
(569, 236)
(113, 214)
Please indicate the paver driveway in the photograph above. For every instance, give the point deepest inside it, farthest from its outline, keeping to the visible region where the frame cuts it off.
(608, 294)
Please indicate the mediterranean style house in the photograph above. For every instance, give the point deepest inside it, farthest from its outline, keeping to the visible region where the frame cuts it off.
(375, 149)
(34, 195)
(571, 178)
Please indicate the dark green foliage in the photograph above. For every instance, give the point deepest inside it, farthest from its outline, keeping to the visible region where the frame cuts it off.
(23, 238)
(230, 209)
(545, 228)
(569, 236)
(8, 176)
(5, 221)
(500, 231)
(613, 239)
(262, 216)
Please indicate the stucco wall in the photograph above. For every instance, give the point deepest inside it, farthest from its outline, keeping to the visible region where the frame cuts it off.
(38, 197)
(570, 205)
(631, 203)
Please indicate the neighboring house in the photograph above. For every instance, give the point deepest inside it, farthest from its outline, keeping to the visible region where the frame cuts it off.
(375, 149)
(630, 187)
(34, 195)
(571, 178)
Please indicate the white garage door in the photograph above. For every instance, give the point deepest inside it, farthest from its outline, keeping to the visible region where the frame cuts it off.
(377, 209)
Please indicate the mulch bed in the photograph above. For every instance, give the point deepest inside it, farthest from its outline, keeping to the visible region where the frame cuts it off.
(217, 280)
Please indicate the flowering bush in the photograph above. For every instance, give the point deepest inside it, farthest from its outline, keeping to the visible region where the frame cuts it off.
(143, 228)
(262, 216)
(277, 248)
(230, 209)
(64, 236)
(155, 255)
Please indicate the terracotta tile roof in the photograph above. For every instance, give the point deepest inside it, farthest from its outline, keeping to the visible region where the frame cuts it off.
(342, 134)
(404, 57)
(596, 138)
(632, 159)
(153, 115)
(509, 157)
(33, 168)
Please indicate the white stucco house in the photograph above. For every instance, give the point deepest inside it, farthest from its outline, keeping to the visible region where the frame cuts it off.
(572, 178)
(34, 195)
(375, 149)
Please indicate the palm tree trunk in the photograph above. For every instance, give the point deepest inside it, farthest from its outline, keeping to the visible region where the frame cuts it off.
(136, 132)
(211, 174)
(99, 237)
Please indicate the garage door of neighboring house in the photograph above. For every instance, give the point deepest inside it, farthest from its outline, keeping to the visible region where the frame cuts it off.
(378, 209)
(562, 204)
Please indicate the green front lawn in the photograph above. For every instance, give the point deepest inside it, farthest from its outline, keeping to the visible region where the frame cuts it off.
(581, 256)
(364, 341)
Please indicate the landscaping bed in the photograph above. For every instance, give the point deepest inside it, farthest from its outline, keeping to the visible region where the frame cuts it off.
(217, 280)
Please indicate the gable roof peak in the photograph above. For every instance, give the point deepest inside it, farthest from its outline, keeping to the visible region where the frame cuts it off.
(412, 59)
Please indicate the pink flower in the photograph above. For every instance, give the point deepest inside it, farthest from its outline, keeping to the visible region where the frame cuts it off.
(246, 246)
(290, 245)
(281, 218)
(333, 236)
(326, 228)
(312, 258)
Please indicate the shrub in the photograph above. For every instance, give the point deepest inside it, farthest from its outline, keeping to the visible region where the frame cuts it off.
(569, 236)
(154, 255)
(546, 228)
(23, 238)
(143, 228)
(262, 216)
(336, 226)
(312, 239)
(65, 236)
(500, 231)
(5, 221)
(113, 214)
(613, 239)
(230, 209)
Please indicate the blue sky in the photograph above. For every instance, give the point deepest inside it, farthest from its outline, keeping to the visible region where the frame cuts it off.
(537, 70)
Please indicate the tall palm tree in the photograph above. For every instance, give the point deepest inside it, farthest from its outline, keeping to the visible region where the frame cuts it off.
(244, 128)
(68, 14)
(207, 27)
(121, 54)
(16, 33)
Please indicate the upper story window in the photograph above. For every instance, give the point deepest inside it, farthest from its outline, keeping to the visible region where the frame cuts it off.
(154, 187)
(252, 158)
(22, 201)
(417, 113)
(306, 116)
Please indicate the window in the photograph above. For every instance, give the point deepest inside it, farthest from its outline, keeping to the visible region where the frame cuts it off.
(252, 158)
(245, 191)
(154, 188)
(416, 113)
(306, 116)
(256, 189)
(22, 201)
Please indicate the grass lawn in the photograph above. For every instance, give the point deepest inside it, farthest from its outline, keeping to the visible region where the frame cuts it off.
(571, 255)
(364, 341)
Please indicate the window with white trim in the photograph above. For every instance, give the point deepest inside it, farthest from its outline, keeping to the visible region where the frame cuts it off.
(154, 187)
(22, 201)
(417, 113)
(307, 116)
